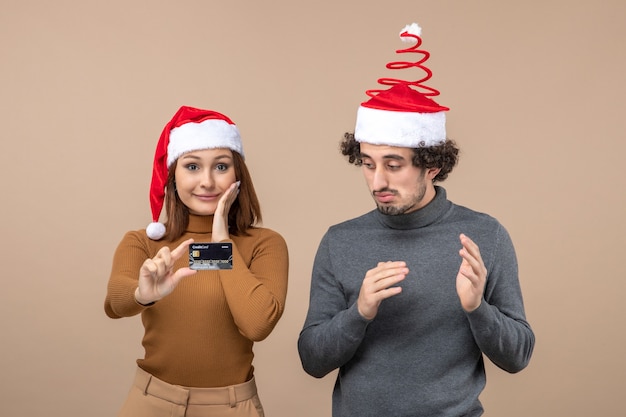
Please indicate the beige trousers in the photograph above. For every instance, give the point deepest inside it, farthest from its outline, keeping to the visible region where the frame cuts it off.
(152, 397)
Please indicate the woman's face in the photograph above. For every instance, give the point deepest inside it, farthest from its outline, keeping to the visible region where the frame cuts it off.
(202, 177)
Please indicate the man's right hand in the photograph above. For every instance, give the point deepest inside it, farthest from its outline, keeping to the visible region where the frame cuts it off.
(376, 286)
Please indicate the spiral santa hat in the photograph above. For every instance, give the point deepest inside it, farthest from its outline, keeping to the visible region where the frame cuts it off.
(403, 115)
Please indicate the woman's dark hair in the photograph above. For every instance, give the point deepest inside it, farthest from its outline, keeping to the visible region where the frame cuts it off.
(444, 156)
(244, 213)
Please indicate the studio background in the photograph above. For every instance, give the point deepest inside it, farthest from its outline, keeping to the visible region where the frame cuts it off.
(536, 91)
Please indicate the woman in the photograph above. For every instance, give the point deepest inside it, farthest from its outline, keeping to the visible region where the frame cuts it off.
(200, 325)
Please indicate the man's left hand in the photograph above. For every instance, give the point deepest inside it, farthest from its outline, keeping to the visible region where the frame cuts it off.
(472, 276)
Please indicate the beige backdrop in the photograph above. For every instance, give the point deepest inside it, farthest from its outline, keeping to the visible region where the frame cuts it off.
(536, 91)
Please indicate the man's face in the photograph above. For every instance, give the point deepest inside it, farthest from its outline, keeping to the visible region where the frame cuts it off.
(397, 186)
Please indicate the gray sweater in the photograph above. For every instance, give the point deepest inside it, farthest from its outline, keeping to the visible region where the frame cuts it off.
(422, 355)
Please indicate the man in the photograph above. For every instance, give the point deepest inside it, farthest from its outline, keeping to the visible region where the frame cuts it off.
(406, 299)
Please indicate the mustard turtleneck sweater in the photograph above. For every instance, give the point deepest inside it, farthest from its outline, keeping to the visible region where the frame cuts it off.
(201, 335)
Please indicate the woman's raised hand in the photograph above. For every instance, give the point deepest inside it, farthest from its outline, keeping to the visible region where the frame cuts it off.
(220, 219)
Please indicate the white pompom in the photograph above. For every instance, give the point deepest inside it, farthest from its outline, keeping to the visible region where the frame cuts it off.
(413, 29)
(155, 231)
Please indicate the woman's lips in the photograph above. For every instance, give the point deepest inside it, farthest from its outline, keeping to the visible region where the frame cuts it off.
(210, 197)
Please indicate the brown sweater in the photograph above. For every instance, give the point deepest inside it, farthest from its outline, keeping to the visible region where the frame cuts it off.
(201, 335)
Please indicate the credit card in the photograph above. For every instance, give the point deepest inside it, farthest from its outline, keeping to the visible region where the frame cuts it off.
(211, 255)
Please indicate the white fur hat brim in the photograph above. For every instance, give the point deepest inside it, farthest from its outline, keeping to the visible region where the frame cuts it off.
(398, 128)
(208, 134)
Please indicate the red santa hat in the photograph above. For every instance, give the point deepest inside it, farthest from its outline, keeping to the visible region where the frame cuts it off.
(403, 115)
(190, 129)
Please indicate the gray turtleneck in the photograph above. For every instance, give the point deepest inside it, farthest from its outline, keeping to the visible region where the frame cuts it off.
(422, 355)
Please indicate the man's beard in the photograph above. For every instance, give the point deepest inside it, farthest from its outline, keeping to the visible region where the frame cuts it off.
(397, 210)
(393, 210)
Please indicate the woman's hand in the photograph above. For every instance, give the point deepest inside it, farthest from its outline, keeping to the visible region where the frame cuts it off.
(157, 277)
(220, 219)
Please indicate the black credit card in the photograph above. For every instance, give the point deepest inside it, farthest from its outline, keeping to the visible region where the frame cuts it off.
(204, 256)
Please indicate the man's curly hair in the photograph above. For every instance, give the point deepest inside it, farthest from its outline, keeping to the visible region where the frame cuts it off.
(444, 156)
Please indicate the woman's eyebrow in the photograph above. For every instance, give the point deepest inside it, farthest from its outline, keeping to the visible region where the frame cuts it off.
(195, 157)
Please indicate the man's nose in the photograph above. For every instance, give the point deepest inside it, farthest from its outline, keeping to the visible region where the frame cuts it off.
(379, 179)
